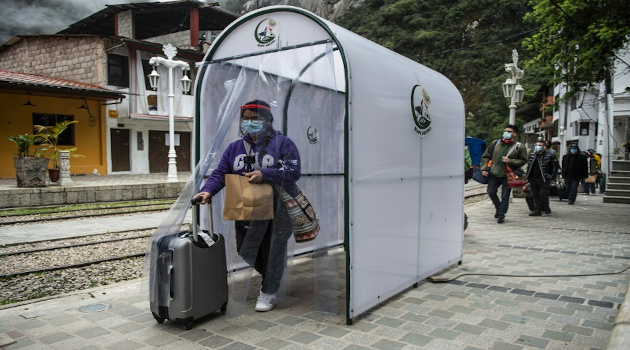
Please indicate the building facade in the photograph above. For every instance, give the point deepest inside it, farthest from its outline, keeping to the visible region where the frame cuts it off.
(112, 49)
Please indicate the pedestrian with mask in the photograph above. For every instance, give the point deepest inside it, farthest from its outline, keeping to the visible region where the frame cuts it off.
(502, 153)
(263, 155)
(549, 148)
(574, 170)
(542, 168)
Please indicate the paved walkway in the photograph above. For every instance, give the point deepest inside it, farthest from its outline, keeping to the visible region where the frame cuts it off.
(487, 305)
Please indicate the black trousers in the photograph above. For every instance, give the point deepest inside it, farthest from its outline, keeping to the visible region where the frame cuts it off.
(540, 193)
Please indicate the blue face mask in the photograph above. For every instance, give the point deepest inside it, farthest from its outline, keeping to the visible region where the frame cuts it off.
(573, 150)
(538, 149)
(507, 135)
(252, 127)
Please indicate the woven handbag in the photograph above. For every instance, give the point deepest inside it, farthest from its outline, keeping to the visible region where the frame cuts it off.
(303, 218)
(514, 180)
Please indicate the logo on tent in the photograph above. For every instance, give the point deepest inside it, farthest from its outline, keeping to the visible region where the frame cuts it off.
(265, 32)
(420, 101)
(312, 134)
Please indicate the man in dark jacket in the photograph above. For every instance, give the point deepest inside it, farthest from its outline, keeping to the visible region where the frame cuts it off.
(542, 168)
(574, 170)
(502, 153)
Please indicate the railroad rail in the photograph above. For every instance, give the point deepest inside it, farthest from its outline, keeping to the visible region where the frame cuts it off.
(41, 269)
(15, 216)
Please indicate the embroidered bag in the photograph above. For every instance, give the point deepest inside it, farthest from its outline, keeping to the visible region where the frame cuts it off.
(514, 180)
(303, 218)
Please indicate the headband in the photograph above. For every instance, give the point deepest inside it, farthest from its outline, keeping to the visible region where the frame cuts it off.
(254, 106)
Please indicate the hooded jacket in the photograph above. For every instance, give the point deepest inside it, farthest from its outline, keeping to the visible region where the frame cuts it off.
(276, 156)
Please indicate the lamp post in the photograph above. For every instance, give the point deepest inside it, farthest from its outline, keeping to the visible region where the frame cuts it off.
(511, 88)
(170, 51)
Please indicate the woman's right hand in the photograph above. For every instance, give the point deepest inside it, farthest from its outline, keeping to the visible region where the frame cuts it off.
(484, 173)
(205, 197)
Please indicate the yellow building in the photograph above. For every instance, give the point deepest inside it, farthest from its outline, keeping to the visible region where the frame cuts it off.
(29, 99)
(112, 49)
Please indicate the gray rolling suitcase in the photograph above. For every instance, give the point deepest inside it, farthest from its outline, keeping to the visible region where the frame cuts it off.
(191, 278)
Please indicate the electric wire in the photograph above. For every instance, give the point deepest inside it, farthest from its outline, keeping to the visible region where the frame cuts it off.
(440, 280)
(498, 41)
(495, 13)
(480, 44)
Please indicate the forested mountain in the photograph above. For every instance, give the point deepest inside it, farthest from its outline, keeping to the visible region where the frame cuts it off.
(469, 41)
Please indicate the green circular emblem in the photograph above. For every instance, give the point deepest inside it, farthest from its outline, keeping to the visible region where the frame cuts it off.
(265, 32)
(420, 101)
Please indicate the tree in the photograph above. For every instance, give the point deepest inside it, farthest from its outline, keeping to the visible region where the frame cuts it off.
(468, 41)
(578, 40)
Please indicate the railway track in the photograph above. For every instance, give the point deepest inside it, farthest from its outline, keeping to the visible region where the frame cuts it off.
(79, 211)
(42, 269)
(66, 254)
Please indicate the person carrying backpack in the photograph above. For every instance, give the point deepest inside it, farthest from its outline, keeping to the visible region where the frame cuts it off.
(574, 170)
(502, 153)
(594, 163)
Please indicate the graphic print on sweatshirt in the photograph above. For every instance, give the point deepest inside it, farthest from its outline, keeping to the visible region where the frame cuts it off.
(267, 162)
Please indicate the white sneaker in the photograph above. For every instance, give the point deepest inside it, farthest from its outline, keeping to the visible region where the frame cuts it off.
(265, 302)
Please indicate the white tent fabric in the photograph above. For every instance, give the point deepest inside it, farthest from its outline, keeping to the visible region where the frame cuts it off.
(380, 138)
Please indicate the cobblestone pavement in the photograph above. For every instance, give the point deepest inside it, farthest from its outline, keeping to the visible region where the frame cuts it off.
(487, 303)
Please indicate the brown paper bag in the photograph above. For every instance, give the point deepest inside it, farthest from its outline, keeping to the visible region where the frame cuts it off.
(245, 201)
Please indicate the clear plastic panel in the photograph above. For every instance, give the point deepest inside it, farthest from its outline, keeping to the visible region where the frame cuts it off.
(300, 86)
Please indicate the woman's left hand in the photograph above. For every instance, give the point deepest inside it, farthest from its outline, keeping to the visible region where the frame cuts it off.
(255, 176)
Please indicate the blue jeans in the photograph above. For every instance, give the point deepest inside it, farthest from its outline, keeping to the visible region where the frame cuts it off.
(493, 186)
(572, 188)
(586, 186)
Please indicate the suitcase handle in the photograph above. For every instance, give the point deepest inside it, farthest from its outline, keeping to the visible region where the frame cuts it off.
(195, 202)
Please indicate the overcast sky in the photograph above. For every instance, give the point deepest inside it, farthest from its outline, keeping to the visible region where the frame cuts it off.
(47, 16)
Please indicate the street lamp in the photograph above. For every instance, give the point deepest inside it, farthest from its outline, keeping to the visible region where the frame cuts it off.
(511, 88)
(170, 51)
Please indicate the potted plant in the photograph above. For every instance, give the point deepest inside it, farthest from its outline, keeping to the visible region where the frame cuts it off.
(50, 137)
(30, 168)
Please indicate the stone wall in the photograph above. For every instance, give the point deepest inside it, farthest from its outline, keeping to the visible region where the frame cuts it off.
(126, 27)
(178, 39)
(76, 194)
(79, 58)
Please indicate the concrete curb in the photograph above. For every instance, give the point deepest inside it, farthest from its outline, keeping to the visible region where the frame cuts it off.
(620, 335)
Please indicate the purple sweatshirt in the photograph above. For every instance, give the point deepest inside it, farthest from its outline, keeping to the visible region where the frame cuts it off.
(277, 158)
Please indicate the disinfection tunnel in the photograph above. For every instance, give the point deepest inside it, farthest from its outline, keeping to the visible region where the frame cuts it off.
(380, 139)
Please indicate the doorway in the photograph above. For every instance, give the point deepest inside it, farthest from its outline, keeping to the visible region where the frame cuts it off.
(158, 151)
(120, 150)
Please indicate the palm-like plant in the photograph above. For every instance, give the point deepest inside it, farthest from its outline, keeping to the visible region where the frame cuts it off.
(24, 143)
(50, 136)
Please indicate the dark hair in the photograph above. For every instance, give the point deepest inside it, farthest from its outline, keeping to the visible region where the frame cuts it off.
(263, 113)
(513, 127)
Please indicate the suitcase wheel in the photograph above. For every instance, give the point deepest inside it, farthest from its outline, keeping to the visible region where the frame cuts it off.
(224, 308)
(158, 318)
(186, 323)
